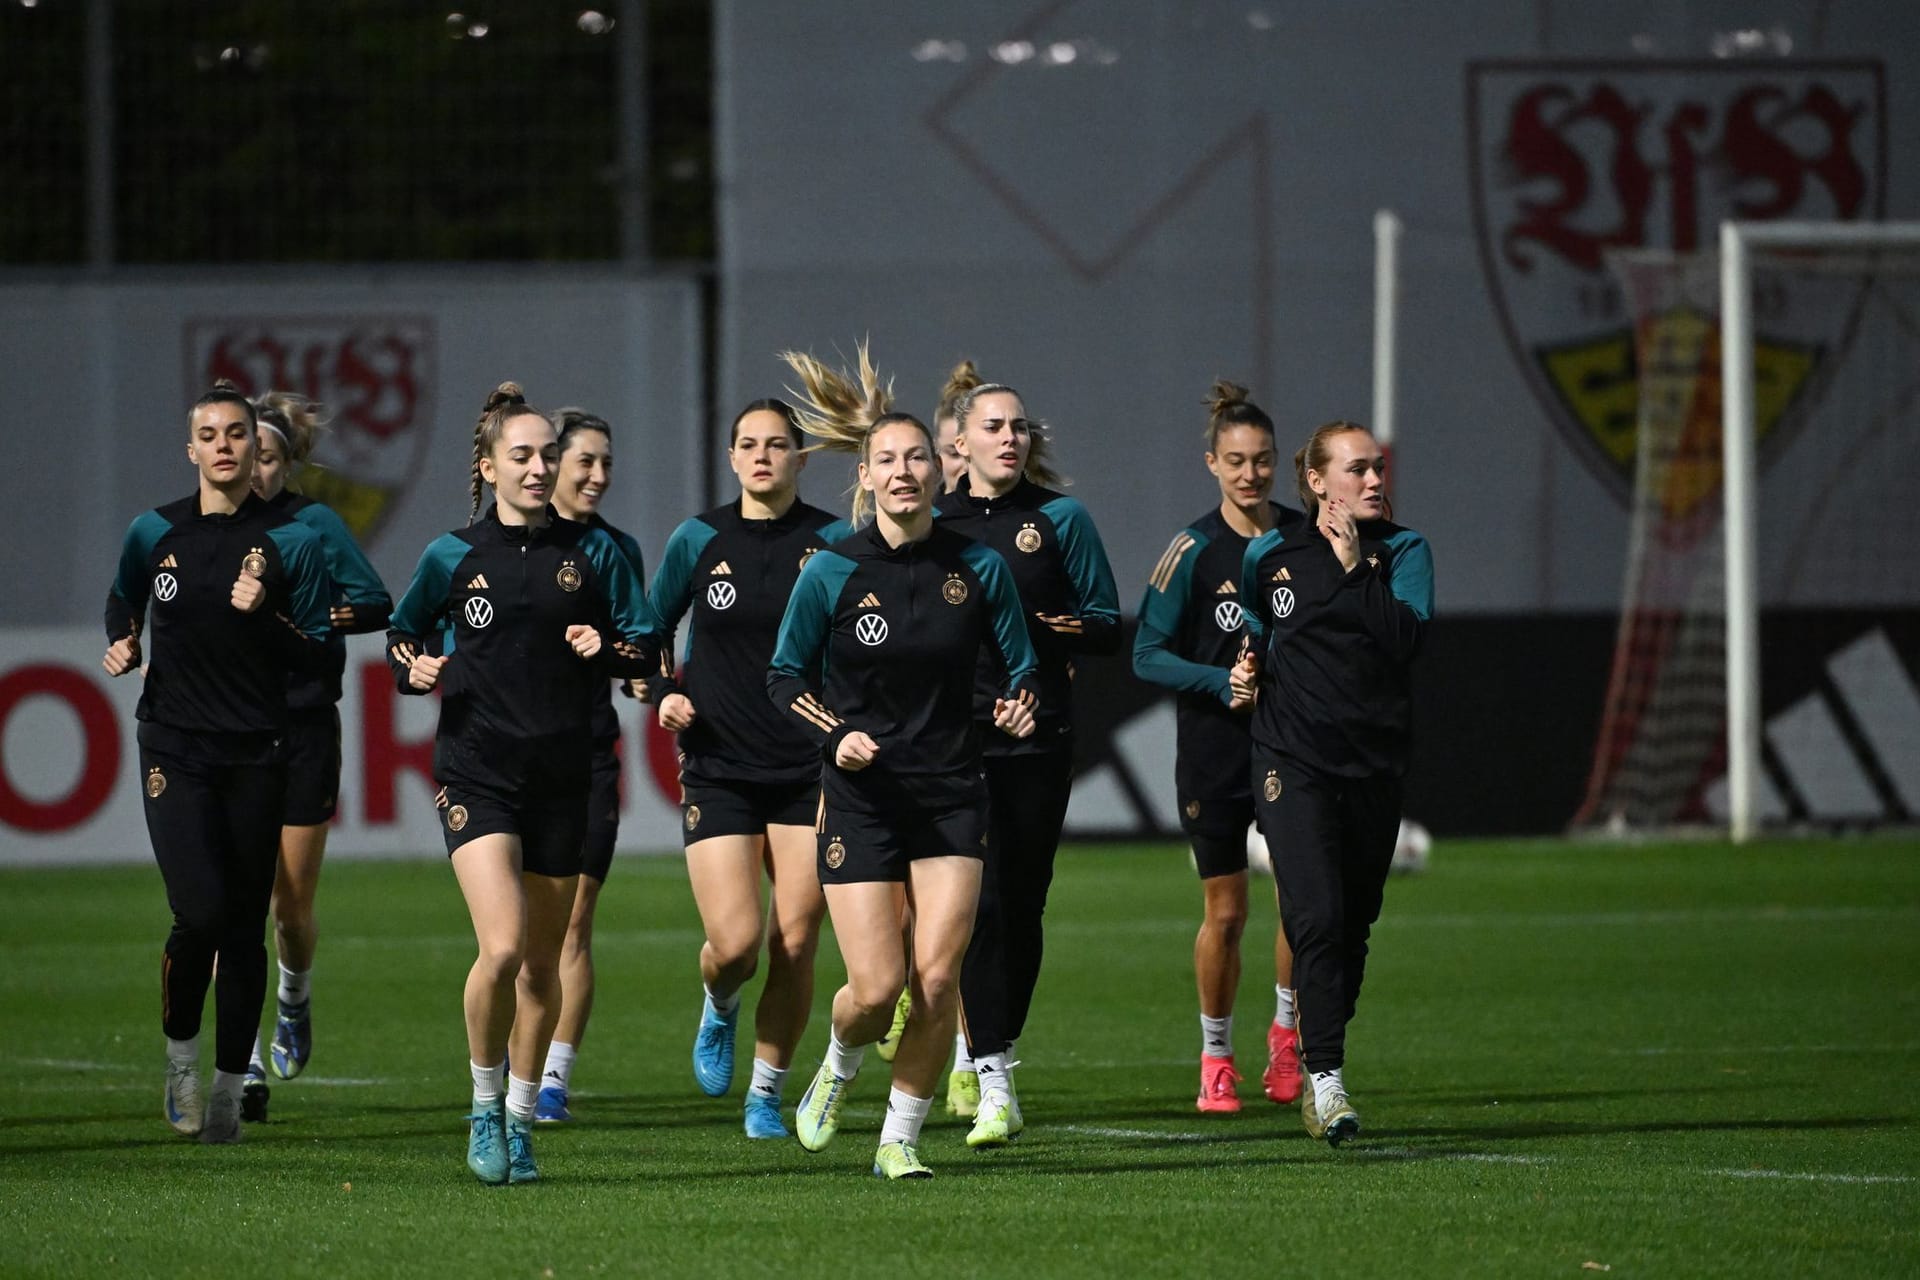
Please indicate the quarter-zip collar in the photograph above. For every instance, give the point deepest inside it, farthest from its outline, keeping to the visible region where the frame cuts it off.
(777, 525)
(521, 534)
(250, 505)
(878, 541)
(985, 503)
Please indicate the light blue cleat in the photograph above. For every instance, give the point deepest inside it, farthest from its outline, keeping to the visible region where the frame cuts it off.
(763, 1117)
(713, 1049)
(487, 1144)
(520, 1165)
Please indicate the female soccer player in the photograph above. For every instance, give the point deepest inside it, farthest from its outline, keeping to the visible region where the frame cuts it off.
(750, 778)
(586, 468)
(359, 604)
(1189, 637)
(539, 612)
(1008, 500)
(875, 663)
(238, 596)
(1335, 612)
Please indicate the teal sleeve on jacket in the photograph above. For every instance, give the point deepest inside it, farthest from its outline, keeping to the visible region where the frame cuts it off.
(309, 589)
(355, 582)
(799, 654)
(1253, 595)
(1097, 598)
(1413, 572)
(633, 651)
(836, 531)
(1162, 610)
(425, 601)
(630, 548)
(673, 584)
(1009, 619)
(127, 598)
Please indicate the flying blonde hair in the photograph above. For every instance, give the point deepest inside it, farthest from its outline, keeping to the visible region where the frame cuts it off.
(842, 410)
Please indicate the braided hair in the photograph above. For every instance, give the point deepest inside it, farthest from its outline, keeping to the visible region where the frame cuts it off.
(504, 403)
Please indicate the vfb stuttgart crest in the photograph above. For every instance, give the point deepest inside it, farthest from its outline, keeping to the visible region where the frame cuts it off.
(1573, 161)
(374, 374)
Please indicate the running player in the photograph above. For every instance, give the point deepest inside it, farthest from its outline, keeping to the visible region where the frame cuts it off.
(1190, 634)
(875, 663)
(750, 778)
(359, 604)
(539, 611)
(1009, 501)
(238, 596)
(586, 468)
(1335, 612)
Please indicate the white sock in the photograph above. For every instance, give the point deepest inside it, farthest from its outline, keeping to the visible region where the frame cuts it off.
(521, 1095)
(962, 1060)
(841, 1060)
(488, 1083)
(229, 1083)
(905, 1115)
(996, 1079)
(256, 1064)
(768, 1080)
(723, 1005)
(295, 988)
(1325, 1085)
(1216, 1036)
(1283, 1014)
(184, 1052)
(559, 1066)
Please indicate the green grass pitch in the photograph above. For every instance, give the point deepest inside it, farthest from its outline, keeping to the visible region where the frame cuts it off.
(1667, 1060)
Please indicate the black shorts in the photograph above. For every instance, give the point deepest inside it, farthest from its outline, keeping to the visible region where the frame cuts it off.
(311, 747)
(603, 813)
(535, 791)
(712, 808)
(861, 843)
(1217, 830)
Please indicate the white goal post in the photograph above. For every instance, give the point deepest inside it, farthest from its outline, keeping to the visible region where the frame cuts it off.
(1738, 241)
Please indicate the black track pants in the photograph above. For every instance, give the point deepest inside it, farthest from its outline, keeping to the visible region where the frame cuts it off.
(213, 814)
(1332, 841)
(1028, 800)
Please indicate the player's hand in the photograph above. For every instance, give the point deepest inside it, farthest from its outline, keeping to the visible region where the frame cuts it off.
(1341, 531)
(638, 691)
(676, 712)
(249, 593)
(424, 671)
(123, 655)
(584, 639)
(1244, 681)
(855, 752)
(1013, 717)
(1067, 624)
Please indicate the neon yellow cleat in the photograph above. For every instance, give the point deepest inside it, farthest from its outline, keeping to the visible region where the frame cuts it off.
(963, 1093)
(890, 1042)
(997, 1123)
(818, 1117)
(897, 1160)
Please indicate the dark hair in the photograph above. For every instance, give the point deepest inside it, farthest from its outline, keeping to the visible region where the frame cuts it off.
(1228, 406)
(769, 404)
(504, 403)
(570, 420)
(1314, 456)
(224, 391)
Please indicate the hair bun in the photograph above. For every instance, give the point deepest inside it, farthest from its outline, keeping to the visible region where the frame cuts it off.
(226, 384)
(1224, 395)
(504, 394)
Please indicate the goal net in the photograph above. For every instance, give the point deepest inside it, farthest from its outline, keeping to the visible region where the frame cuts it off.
(1836, 512)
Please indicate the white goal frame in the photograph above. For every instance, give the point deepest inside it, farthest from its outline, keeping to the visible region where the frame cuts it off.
(1740, 486)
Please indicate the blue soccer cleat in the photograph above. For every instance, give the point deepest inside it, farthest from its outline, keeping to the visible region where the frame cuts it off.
(487, 1144)
(520, 1165)
(713, 1049)
(292, 1038)
(763, 1117)
(551, 1106)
